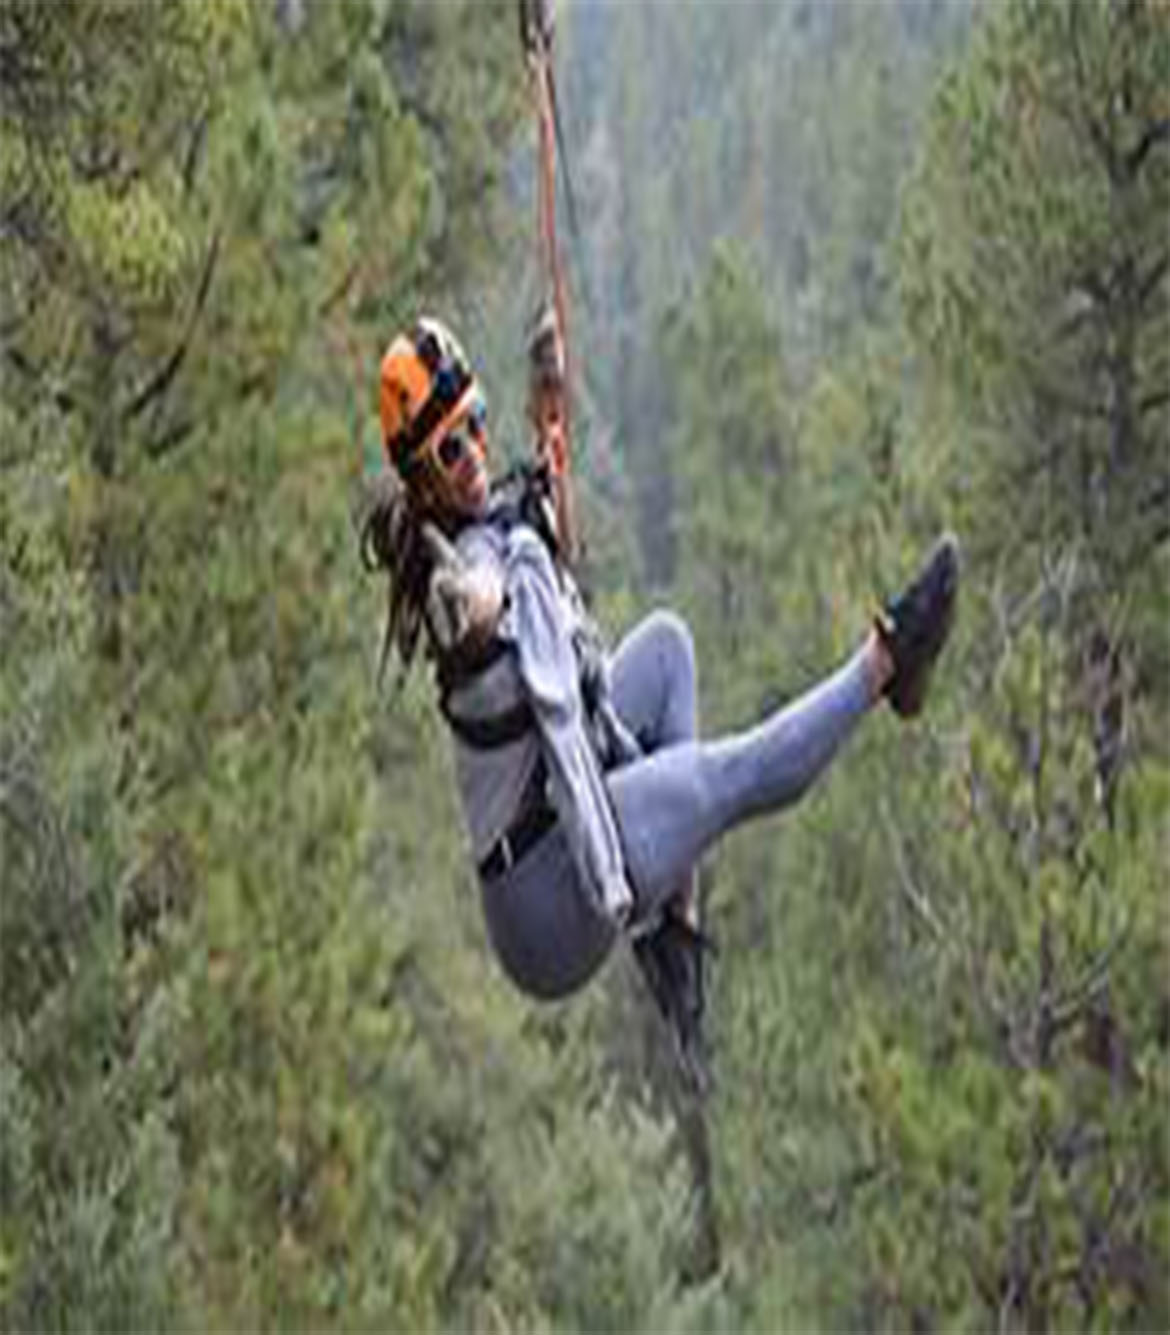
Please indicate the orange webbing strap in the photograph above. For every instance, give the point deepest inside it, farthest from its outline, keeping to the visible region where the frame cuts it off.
(557, 443)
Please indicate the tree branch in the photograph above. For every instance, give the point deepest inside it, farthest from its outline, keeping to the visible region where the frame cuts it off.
(339, 291)
(1155, 133)
(170, 439)
(19, 362)
(910, 891)
(948, 939)
(161, 381)
(1148, 285)
(1070, 1005)
(194, 151)
(1100, 140)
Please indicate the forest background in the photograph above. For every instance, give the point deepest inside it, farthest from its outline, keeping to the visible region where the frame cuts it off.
(846, 274)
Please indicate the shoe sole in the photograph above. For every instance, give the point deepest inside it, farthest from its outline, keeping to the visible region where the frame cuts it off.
(909, 700)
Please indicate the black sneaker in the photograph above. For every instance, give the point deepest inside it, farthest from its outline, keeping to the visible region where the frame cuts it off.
(914, 626)
(671, 959)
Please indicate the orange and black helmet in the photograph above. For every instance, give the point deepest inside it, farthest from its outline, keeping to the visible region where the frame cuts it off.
(426, 385)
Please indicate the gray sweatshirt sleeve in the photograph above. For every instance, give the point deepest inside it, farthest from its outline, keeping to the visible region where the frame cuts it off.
(536, 622)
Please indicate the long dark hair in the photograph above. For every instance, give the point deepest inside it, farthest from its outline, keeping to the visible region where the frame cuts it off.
(391, 539)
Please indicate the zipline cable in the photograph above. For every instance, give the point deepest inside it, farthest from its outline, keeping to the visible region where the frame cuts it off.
(536, 33)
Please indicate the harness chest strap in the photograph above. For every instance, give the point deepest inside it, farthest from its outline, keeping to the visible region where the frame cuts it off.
(482, 732)
(487, 732)
(520, 498)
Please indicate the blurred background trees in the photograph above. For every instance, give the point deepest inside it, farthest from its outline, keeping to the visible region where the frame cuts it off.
(846, 274)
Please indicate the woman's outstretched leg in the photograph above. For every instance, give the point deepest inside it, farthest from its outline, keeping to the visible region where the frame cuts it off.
(673, 805)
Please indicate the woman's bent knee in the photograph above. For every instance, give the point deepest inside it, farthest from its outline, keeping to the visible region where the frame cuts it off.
(673, 638)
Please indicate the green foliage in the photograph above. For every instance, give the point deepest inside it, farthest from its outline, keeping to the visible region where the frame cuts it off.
(257, 1066)
(732, 438)
(901, 1141)
(780, 129)
(1034, 273)
(1017, 1126)
(90, 1181)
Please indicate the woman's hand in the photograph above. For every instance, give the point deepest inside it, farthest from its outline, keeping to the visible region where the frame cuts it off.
(464, 604)
(464, 601)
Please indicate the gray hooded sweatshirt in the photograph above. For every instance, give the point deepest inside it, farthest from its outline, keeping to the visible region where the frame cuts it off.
(542, 612)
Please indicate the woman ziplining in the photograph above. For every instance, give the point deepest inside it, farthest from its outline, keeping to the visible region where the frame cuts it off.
(588, 794)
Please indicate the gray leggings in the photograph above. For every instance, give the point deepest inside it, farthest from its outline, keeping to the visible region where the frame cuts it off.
(671, 806)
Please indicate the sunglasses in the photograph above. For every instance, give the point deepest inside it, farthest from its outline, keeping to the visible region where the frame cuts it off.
(456, 443)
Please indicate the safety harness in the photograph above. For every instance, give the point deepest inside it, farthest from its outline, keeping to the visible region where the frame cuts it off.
(520, 497)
